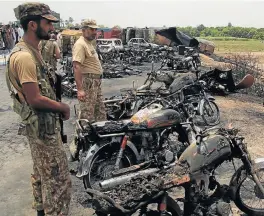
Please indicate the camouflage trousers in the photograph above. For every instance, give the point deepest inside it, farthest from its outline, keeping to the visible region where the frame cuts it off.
(50, 180)
(92, 108)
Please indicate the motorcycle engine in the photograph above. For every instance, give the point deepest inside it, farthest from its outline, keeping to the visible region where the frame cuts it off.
(149, 148)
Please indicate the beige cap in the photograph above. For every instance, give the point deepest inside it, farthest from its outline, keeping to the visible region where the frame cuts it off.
(89, 23)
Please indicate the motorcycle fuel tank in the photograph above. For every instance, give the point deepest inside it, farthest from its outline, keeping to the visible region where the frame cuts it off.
(213, 151)
(151, 118)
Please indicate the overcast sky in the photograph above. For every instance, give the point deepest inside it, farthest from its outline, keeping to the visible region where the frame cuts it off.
(247, 13)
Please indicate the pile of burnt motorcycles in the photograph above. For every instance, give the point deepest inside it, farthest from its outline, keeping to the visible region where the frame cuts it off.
(115, 63)
(158, 139)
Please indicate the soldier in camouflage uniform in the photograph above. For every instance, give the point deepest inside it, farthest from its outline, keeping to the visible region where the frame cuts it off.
(50, 51)
(29, 82)
(88, 73)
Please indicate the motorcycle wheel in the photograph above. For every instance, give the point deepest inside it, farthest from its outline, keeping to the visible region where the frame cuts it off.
(173, 209)
(210, 113)
(253, 196)
(103, 163)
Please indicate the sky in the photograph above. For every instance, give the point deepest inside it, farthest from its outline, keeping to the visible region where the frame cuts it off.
(127, 13)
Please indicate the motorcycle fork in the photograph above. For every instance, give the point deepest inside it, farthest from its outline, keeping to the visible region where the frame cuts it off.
(121, 151)
(207, 100)
(189, 205)
(249, 166)
(162, 205)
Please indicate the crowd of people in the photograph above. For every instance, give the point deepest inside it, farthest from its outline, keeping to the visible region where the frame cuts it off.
(10, 35)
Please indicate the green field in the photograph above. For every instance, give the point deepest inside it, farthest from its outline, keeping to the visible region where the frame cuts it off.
(236, 44)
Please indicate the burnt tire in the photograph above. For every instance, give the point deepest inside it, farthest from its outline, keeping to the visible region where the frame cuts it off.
(103, 161)
(238, 200)
(172, 208)
(209, 109)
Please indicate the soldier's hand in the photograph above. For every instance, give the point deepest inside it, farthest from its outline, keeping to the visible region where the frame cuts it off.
(66, 112)
(81, 95)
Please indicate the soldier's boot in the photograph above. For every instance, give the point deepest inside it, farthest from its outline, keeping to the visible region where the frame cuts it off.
(41, 213)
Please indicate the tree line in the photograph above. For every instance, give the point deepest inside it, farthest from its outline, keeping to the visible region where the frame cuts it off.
(227, 31)
(203, 31)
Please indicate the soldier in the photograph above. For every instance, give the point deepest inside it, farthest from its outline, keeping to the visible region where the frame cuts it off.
(50, 51)
(88, 73)
(34, 100)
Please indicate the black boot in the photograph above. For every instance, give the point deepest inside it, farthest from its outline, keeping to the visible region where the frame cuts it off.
(41, 213)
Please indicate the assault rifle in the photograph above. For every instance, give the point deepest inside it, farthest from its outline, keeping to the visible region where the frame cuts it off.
(56, 84)
(58, 91)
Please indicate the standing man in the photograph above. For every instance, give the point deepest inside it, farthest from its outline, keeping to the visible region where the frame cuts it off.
(20, 32)
(31, 89)
(50, 51)
(59, 39)
(88, 72)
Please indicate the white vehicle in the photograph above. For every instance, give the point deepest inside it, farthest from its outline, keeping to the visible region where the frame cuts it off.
(140, 42)
(107, 45)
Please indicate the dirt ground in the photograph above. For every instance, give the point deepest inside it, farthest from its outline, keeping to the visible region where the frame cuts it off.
(243, 111)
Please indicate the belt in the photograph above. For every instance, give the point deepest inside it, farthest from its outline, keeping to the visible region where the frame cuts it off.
(92, 76)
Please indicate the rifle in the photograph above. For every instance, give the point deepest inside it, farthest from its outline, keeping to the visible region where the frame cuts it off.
(58, 92)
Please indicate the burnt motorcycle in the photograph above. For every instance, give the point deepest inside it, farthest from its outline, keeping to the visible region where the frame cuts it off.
(153, 133)
(192, 91)
(195, 172)
(129, 102)
(222, 82)
(217, 81)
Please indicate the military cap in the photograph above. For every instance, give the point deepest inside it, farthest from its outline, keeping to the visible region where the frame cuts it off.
(89, 23)
(34, 9)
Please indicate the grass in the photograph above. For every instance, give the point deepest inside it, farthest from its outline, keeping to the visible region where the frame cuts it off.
(227, 45)
(226, 38)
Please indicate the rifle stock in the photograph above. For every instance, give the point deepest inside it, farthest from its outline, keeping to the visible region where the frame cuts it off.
(58, 91)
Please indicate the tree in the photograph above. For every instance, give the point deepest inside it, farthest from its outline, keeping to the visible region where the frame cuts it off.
(71, 20)
(62, 23)
(229, 24)
(200, 27)
(66, 22)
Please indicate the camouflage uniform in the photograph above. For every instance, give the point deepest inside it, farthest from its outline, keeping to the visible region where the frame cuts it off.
(51, 180)
(92, 108)
(47, 51)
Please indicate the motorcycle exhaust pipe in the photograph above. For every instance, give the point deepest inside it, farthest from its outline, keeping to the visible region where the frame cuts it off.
(112, 182)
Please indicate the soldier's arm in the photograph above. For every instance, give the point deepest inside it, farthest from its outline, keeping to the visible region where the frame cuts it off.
(78, 57)
(27, 75)
(57, 54)
(77, 67)
(39, 102)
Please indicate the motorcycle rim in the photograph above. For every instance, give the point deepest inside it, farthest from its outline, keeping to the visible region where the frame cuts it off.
(102, 165)
(248, 198)
(210, 113)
